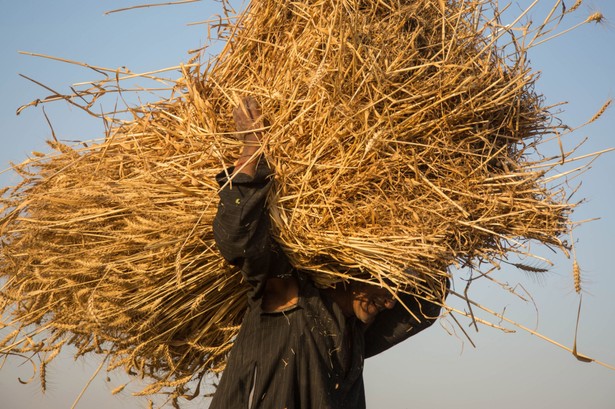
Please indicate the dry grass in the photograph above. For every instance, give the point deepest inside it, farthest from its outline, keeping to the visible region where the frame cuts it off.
(401, 133)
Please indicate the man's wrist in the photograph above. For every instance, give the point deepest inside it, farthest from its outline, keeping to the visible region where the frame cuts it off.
(250, 149)
(252, 137)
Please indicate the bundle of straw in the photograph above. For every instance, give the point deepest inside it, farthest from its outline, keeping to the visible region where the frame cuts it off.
(401, 133)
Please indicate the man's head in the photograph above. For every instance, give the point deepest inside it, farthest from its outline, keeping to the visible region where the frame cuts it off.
(368, 300)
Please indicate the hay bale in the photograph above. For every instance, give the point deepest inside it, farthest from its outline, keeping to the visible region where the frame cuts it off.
(401, 133)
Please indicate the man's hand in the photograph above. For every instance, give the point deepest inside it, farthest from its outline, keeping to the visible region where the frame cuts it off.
(249, 124)
(248, 116)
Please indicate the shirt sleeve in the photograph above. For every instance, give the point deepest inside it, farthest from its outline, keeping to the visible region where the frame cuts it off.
(242, 227)
(397, 324)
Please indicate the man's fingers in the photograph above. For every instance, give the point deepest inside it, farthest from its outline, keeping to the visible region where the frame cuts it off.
(240, 112)
(247, 114)
(246, 107)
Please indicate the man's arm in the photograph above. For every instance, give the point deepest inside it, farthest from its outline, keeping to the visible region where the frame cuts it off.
(241, 226)
(396, 325)
(248, 119)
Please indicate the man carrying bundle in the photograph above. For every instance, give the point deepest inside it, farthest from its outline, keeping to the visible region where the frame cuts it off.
(299, 347)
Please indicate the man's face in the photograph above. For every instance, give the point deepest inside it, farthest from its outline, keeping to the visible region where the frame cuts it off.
(368, 300)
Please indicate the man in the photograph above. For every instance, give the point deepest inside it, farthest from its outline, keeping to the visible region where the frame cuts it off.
(299, 347)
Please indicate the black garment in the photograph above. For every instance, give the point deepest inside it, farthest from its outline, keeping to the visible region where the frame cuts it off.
(309, 356)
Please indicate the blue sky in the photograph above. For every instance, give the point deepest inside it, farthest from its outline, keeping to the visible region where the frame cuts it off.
(435, 369)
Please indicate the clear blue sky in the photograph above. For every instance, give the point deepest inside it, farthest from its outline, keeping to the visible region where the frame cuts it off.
(434, 369)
